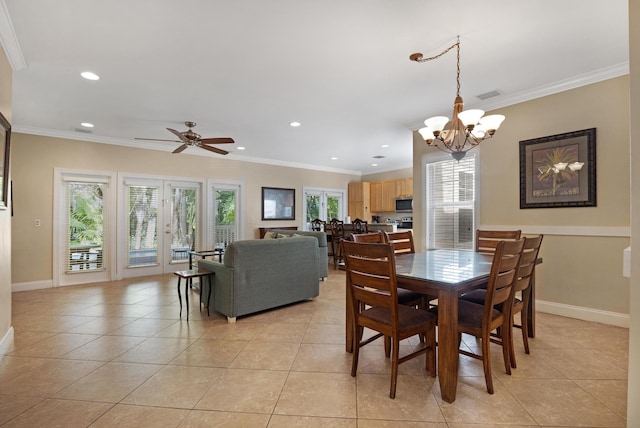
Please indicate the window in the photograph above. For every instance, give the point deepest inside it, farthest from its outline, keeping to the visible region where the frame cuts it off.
(324, 204)
(85, 228)
(451, 203)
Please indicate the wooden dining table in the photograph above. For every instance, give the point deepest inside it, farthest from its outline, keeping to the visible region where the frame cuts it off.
(446, 273)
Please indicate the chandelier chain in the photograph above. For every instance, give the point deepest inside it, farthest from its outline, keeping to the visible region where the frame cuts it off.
(455, 45)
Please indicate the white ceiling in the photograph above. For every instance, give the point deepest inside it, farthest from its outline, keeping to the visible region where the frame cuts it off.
(247, 68)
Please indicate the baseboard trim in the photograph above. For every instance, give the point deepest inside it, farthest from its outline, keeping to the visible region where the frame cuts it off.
(6, 342)
(586, 314)
(28, 286)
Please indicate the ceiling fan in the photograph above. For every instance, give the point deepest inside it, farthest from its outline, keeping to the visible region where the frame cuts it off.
(189, 138)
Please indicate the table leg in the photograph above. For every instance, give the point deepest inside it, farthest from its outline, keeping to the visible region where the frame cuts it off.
(209, 297)
(448, 344)
(179, 296)
(186, 294)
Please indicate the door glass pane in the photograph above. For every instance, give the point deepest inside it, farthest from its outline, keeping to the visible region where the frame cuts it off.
(183, 220)
(143, 225)
(86, 226)
(313, 207)
(225, 228)
(333, 207)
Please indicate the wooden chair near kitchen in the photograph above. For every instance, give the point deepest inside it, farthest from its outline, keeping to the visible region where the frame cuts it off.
(317, 225)
(360, 226)
(337, 236)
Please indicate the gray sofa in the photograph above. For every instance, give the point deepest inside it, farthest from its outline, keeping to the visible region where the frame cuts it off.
(323, 253)
(261, 274)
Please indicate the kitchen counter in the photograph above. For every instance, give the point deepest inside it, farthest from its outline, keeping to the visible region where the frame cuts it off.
(374, 227)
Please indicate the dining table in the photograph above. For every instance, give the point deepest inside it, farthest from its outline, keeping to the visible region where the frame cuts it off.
(447, 274)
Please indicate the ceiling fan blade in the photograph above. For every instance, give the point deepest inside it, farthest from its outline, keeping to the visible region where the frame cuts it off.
(215, 150)
(181, 148)
(178, 134)
(217, 141)
(156, 139)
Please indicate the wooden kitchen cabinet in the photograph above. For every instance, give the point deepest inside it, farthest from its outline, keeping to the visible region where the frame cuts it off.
(360, 201)
(376, 197)
(389, 195)
(404, 187)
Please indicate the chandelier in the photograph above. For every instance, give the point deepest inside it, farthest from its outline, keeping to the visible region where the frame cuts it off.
(466, 129)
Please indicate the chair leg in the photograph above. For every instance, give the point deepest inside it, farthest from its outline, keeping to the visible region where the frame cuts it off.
(431, 354)
(356, 349)
(512, 349)
(486, 363)
(387, 346)
(394, 367)
(507, 346)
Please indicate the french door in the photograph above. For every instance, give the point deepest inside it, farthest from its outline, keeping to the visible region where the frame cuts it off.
(162, 221)
(224, 215)
(324, 204)
(84, 236)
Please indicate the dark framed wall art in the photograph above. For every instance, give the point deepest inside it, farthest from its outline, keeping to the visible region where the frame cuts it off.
(278, 204)
(559, 170)
(5, 144)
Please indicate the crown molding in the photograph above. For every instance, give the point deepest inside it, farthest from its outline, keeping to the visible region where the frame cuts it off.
(574, 82)
(140, 144)
(9, 40)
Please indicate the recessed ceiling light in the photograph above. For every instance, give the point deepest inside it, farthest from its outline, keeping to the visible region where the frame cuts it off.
(240, 148)
(384, 146)
(374, 164)
(87, 124)
(334, 158)
(89, 75)
(295, 124)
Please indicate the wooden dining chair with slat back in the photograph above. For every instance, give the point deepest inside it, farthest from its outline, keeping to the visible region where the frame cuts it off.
(372, 287)
(486, 240)
(405, 297)
(521, 292)
(480, 320)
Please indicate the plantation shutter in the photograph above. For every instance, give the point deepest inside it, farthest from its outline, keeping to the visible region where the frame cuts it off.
(451, 203)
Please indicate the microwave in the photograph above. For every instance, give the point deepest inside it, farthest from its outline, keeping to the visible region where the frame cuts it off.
(404, 205)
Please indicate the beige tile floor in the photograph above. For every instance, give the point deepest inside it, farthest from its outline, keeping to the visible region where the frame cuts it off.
(117, 354)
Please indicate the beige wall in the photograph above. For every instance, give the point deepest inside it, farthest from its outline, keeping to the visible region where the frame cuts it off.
(633, 395)
(36, 157)
(5, 217)
(389, 175)
(579, 269)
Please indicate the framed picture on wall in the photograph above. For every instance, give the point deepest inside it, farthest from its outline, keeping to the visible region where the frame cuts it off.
(559, 171)
(5, 136)
(278, 204)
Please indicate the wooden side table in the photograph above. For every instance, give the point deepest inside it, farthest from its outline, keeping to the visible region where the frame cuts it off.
(189, 275)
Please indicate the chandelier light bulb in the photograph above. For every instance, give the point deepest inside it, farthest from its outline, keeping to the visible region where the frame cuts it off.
(492, 122)
(427, 134)
(470, 117)
(437, 123)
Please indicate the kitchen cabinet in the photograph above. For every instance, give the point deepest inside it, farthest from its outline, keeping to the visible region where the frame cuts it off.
(360, 201)
(376, 197)
(389, 195)
(404, 187)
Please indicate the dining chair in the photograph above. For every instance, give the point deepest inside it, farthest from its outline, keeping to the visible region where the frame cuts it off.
(360, 226)
(337, 236)
(521, 288)
(405, 297)
(317, 225)
(402, 241)
(370, 237)
(486, 240)
(480, 320)
(373, 293)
